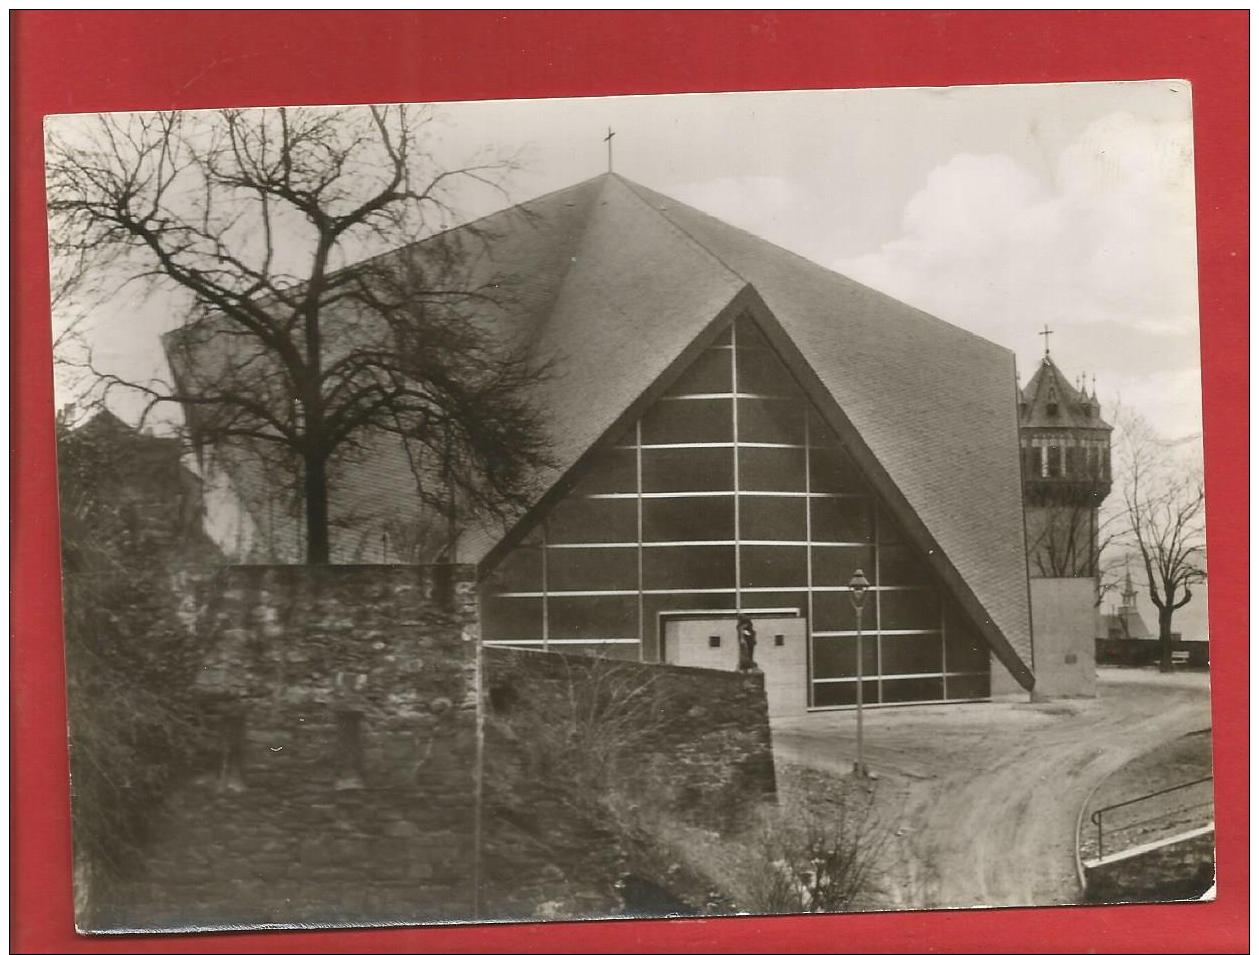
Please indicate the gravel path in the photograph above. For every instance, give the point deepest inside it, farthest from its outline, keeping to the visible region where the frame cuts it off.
(985, 796)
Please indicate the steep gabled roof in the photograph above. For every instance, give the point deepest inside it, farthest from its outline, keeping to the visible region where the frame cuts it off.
(929, 401)
(619, 286)
(925, 405)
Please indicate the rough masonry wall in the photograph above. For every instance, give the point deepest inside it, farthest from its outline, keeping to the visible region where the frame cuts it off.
(581, 749)
(344, 789)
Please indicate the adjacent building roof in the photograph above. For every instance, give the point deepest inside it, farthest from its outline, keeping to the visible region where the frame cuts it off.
(619, 285)
(145, 474)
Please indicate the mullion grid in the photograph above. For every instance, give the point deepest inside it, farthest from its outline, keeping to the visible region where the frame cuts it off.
(546, 587)
(808, 536)
(811, 585)
(944, 654)
(638, 488)
(878, 604)
(734, 457)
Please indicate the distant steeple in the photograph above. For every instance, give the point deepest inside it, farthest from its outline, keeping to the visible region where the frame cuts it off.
(1129, 596)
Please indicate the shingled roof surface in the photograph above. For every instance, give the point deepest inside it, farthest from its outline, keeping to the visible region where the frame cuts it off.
(933, 402)
(613, 282)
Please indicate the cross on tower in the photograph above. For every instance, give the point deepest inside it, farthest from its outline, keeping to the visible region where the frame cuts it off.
(608, 139)
(1046, 333)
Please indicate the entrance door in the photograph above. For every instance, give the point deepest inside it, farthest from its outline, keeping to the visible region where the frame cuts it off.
(781, 653)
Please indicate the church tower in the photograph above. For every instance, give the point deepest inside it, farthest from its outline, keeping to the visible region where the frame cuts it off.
(1065, 448)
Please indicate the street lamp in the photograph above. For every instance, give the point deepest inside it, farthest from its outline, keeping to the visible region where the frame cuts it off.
(858, 586)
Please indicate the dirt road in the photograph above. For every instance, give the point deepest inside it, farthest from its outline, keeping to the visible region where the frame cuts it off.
(986, 796)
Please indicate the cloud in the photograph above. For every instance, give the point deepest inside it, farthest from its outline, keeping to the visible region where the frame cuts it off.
(1101, 249)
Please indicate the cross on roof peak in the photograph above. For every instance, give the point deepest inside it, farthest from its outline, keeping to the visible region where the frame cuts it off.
(608, 139)
(1045, 334)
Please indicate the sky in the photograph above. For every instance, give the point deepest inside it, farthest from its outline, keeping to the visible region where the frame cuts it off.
(1001, 209)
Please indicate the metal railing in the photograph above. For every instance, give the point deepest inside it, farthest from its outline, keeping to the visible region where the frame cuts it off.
(1097, 815)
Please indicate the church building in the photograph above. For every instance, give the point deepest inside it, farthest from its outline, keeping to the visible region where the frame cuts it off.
(735, 431)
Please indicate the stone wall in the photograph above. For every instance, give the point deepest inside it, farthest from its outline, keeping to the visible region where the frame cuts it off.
(357, 780)
(579, 751)
(344, 786)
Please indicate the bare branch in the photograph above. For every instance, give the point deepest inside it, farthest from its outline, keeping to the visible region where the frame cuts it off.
(250, 213)
(1163, 518)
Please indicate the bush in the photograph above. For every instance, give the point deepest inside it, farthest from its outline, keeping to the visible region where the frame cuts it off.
(816, 851)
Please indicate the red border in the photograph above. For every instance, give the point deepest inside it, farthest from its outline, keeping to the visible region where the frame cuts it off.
(65, 62)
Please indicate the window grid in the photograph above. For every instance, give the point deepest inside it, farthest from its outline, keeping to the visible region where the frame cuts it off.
(546, 585)
(734, 414)
(878, 605)
(617, 627)
(808, 535)
(638, 478)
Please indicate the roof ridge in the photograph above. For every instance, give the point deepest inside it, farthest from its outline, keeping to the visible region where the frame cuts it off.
(536, 332)
(505, 210)
(633, 188)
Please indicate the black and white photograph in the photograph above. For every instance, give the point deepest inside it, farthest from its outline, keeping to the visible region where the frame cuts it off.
(632, 507)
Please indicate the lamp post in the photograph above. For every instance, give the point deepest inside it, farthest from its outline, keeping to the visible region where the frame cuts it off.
(858, 586)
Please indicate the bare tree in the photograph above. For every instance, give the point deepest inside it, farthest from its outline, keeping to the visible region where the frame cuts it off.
(1076, 539)
(288, 351)
(1163, 509)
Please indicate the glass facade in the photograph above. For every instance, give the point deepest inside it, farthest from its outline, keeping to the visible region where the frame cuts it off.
(732, 493)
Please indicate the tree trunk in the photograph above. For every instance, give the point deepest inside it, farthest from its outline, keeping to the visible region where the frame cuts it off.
(318, 545)
(1165, 639)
